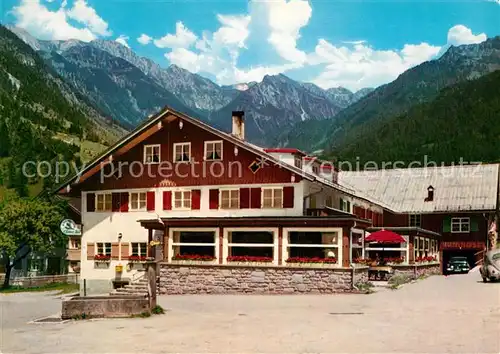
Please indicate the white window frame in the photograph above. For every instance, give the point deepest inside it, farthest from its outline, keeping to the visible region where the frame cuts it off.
(273, 206)
(171, 242)
(228, 245)
(130, 207)
(417, 217)
(96, 249)
(182, 199)
(139, 247)
(181, 145)
(230, 206)
(205, 150)
(105, 196)
(287, 245)
(460, 221)
(151, 146)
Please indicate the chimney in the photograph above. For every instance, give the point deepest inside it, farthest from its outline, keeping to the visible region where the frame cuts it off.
(239, 124)
(430, 194)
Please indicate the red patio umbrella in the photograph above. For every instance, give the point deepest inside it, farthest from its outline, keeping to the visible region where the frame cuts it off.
(385, 236)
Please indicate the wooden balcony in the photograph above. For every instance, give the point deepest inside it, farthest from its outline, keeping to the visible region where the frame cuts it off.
(326, 211)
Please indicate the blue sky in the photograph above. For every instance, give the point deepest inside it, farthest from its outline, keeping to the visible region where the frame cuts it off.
(332, 43)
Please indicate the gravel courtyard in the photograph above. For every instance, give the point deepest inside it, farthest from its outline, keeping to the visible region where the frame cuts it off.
(456, 314)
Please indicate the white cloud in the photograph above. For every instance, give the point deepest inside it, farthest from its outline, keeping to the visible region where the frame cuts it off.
(86, 15)
(183, 38)
(286, 18)
(35, 18)
(144, 39)
(234, 30)
(358, 66)
(122, 39)
(459, 34)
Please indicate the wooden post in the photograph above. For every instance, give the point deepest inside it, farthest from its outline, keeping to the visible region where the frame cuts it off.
(346, 256)
(280, 245)
(166, 244)
(221, 244)
(151, 273)
(411, 249)
(150, 238)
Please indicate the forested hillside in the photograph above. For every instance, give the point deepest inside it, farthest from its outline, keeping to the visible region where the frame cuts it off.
(41, 118)
(462, 122)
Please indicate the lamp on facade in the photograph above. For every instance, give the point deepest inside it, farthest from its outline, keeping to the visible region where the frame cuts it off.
(181, 124)
(292, 179)
(235, 151)
(120, 237)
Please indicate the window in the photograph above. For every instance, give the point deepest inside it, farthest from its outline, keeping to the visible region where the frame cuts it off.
(315, 169)
(329, 201)
(213, 150)
(139, 249)
(193, 243)
(230, 199)
(298, 162)
(138, 201)
(272, 197)
(256, 244)
(104, 202)
(74, 243)
(460, 225)
(313, 245)
(104, 248)
(415, 220)
(182, 152)
(151, 154)
(182, 200)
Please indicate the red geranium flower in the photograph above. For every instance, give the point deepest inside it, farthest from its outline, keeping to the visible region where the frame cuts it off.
(311, 260)
(249, 259)
(192, 257)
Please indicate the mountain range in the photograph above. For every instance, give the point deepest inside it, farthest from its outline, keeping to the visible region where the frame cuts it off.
(417, 85)
(127, 88)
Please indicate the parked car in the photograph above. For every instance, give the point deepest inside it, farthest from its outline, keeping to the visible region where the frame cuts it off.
(491, 266)
(458, 265)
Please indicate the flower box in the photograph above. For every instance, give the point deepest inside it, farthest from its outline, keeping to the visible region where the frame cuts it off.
(102, 258)
(311, 261)
(137, 259)
(193, 257)
(249, 259)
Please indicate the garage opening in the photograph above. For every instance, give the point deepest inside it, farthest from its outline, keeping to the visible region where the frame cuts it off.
(469, 254)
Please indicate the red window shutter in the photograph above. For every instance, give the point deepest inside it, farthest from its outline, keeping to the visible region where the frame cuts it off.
(195, 199)
(214, 199)
(115, 202)
(375, 218)
(288, 197)
(255, 195)
(244, 198)
(150, 201)
(124, 202)
(368, 214)
(167, 200)
(90, 202)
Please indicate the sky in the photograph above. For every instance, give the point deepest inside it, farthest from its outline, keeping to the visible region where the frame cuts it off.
(348, 43)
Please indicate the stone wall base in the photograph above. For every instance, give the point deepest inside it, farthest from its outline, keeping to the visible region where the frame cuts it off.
(232, 279)
(416, 271)
(104, 306)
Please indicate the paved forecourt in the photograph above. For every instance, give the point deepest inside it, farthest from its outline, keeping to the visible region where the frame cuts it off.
(456, 314)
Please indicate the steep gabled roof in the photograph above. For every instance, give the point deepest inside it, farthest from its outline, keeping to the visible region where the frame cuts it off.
(140, 133)
(456, 188)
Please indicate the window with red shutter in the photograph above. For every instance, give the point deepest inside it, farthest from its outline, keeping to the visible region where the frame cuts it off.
(167, 200)
(90, 202)
(255, 201)
(244, 198)
(124, 202)
(214, 199)
(150, 201)
(288, 196)
(195, 199)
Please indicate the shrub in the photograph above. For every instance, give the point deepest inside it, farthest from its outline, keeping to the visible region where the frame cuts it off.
(396, 280)
(157, 310)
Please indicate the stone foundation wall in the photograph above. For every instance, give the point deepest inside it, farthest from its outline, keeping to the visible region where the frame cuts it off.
(418, 270)
(224, 279)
